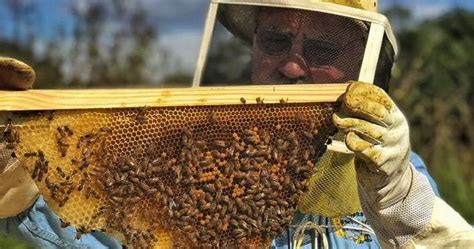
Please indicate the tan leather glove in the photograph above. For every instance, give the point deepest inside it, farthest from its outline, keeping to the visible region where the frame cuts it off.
(377, 132)
(17, 190)
(396, 199)
(15, 75)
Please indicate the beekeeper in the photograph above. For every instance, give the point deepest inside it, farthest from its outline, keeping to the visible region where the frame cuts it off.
(296, 42)
(346, 41)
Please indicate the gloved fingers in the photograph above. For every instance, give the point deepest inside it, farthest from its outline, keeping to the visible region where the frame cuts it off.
(356, 143)
(15, 75)
(370, 92)
(369, 102)
(368, 131)
(366, 151)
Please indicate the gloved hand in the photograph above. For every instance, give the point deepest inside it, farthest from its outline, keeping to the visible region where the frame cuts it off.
(377, 132)
(15, 75)
(17, 190)
(396, 199)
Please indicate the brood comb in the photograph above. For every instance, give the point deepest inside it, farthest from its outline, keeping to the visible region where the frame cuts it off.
(208, 167)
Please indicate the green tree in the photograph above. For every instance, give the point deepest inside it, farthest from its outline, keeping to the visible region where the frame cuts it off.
(112, 43)
(433, 84)
(11, 243)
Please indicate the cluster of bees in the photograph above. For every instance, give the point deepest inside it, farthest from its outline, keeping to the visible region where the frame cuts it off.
(9, 135)
(217, 193)
(236, 186)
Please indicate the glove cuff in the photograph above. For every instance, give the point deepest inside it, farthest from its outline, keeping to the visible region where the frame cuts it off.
(400, 222)
(385, 187)
(17, 190)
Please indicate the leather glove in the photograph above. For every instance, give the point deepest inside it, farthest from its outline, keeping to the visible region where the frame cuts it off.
(15, 75)
(17, 190)
(377, 132)
(396, 199)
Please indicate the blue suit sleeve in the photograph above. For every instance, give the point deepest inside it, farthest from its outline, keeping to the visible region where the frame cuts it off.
(421, 167)
(40, 227)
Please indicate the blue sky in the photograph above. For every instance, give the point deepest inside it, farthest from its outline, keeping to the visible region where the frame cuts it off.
(423, 9)
(188, 15)
(180, 22)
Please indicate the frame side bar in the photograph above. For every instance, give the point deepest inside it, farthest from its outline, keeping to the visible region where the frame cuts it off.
(372, 53)
(205, 43)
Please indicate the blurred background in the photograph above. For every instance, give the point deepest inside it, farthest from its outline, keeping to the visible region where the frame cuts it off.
(154, 43)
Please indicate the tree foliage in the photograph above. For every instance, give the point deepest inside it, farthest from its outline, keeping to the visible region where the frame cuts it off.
(111, 46)
(434, 84)
(110, 43)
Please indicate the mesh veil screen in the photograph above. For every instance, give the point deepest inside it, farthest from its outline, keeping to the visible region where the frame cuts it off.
(326, 48)
(175, 176)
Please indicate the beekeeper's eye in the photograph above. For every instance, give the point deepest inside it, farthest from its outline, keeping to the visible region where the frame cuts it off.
(319, 52)
(316, 52)
(273, 43)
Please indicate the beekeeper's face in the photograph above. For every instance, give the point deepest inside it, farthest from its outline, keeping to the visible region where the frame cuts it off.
(298, 46)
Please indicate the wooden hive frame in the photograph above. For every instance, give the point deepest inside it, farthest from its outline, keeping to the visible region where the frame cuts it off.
(92, 100)
(195, 96)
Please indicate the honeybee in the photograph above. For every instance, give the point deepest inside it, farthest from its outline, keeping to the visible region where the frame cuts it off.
(169, 191)
(84, 164)
(51, 115)
(141, 115)
(30, 154)
(64, 224)
(80, 186)
(238, 233)
(213, 117)
(117, 199)
(49, 185)
(243, 100)
(8, 132)
(105, 129)
(90, 192)
(36, 170)
(283, 202)
(220, 143)
(144, 186)
(200, 144)
(308, 134)
(80, 231)
(41, 171)
(60, 172)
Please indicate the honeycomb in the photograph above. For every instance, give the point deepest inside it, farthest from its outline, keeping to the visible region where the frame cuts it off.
(161, 177)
